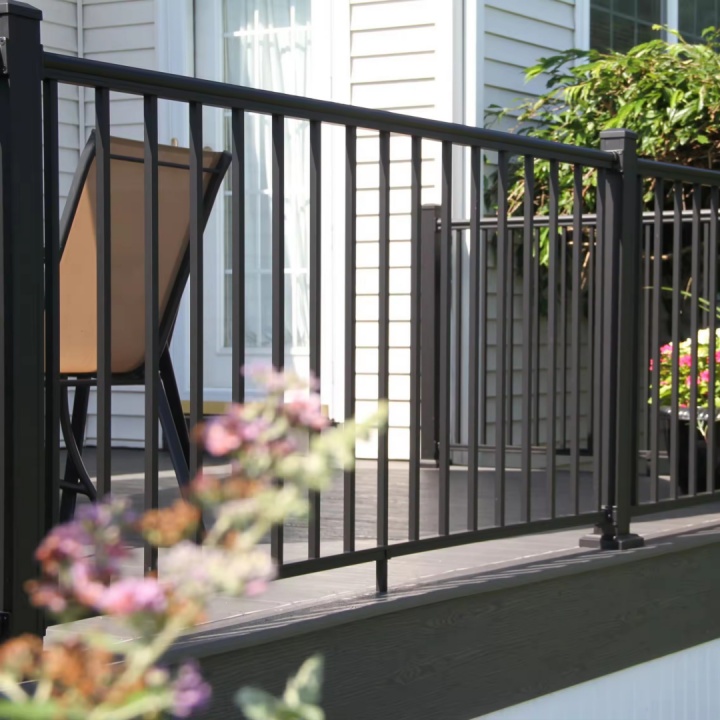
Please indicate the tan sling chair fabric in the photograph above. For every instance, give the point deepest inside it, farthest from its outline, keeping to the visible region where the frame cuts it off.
(78, 274)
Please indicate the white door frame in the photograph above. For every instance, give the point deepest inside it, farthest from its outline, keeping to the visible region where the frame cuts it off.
(175, 28)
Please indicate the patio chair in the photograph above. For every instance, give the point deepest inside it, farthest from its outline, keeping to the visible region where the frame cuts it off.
(78, 291)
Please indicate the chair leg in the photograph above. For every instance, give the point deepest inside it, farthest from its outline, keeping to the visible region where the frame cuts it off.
(167, 373)
(172, 437)
(175, 430)
(76, 479)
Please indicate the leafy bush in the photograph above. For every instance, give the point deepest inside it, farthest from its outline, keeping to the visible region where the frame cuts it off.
(667, 93)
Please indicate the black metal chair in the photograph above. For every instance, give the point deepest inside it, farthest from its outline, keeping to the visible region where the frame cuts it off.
(78, 291)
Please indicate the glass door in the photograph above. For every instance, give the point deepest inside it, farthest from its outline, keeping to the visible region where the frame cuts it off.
(270, 45)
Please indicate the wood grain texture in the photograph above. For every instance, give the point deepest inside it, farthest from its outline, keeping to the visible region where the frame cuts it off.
(463, 657)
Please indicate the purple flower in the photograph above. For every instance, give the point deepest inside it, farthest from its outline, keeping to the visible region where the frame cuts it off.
(64, 544)
(191, 692)
(133, 595)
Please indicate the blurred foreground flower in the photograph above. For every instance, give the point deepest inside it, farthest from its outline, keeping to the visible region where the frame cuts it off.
(83, 572)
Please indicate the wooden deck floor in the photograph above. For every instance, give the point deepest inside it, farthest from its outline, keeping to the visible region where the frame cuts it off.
(355, 584)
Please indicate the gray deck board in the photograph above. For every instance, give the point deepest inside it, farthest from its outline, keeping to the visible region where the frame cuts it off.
(347, 585)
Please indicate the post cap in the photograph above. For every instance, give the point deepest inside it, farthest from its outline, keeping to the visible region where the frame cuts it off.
(617, 133)
(19, 9)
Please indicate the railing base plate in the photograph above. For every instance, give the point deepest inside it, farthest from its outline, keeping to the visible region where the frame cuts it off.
(617, 542)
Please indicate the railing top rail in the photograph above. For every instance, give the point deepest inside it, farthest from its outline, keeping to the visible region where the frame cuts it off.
(91, 73)
(677, 173)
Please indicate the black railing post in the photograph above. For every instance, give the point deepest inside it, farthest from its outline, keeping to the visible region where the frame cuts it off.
(23, 491)
(429, 328)
(620, 248)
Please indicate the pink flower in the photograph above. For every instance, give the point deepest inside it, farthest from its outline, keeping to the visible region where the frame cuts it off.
(704, 376)
(685, 361)
(133, 595)
(282, 448)
(222, 435)
(305, 410)
(227, 433)
(717, 356)
(86, 586)
(666, 349)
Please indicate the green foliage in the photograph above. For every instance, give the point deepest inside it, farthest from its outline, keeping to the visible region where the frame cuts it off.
(299, 701)
(668, 93)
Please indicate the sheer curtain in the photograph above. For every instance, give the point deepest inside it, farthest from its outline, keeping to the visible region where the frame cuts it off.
(267, 46)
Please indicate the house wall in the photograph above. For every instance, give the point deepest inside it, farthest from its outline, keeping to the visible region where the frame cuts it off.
(59, 34)
(517, 34)
(405, 56)
(402, 59)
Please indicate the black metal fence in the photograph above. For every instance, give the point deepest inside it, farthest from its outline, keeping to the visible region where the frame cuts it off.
(541, 357)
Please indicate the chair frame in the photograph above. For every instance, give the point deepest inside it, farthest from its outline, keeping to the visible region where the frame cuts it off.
(76, 480)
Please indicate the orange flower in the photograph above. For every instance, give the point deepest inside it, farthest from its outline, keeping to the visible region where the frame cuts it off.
(168, 526)
(21, 655)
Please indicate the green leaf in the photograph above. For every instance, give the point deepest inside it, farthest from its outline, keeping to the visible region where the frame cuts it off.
(34, 711)
(299, 702)
(258, 705)
(306, 686)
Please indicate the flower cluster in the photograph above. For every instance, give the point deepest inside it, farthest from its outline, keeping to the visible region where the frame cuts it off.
(83, 565)
(690, 379)
(80, 560)
(74, 676)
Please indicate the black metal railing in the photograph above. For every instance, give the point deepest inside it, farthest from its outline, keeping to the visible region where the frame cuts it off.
(539, 359)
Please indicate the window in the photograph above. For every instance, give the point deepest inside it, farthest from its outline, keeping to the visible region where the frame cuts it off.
(267, 46)
(620, 24)
(695, 16)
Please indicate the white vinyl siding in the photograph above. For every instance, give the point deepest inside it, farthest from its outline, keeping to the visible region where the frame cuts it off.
(59, 34)
(398, 62)
(121, 32)
(517, 34)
